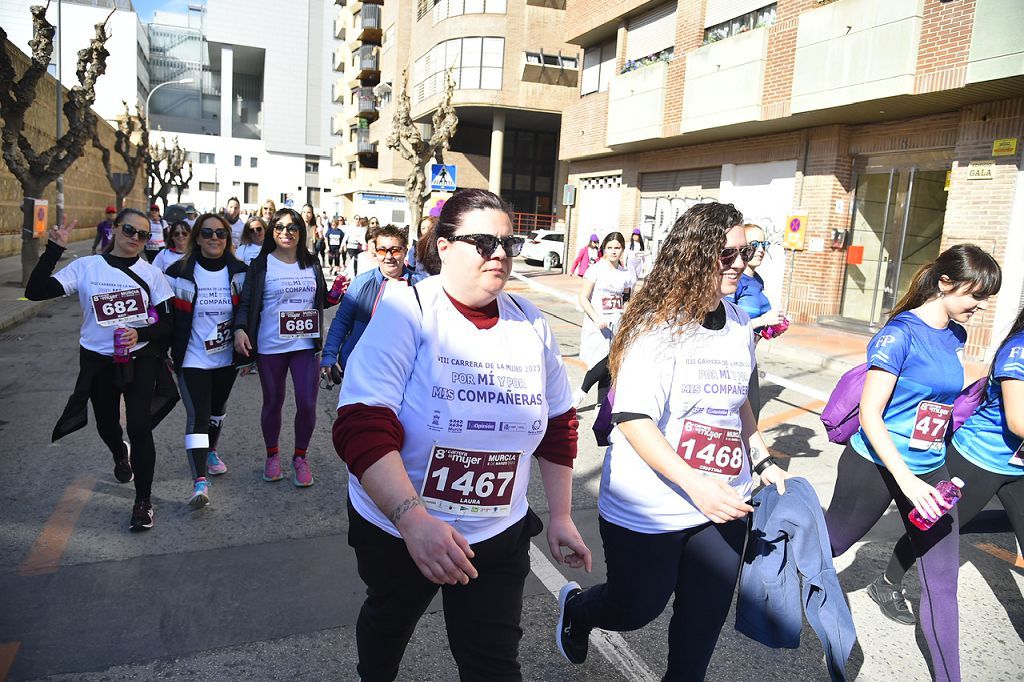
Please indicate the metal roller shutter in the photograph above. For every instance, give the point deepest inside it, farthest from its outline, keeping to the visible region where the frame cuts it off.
(651, 32)
(694, 183)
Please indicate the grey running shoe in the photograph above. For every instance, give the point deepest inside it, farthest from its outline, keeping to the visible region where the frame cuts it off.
(572, 642)
(892, 600)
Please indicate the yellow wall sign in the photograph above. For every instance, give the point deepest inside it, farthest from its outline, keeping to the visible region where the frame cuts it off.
(1006, 146)
(39, 213)
(795, 233)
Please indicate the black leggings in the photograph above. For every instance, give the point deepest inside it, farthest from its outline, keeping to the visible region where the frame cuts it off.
(598, 374)
(863, 493)
(699, 565)
(353, 255)
(138, 401)
(204, 392)
(334, 258)
(980, 486)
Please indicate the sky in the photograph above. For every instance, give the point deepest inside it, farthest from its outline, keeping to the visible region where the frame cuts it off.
(145, 8)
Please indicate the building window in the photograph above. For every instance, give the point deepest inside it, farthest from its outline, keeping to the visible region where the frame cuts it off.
(476, 64)
(453, 8)
(253, 162)
(205, 157)
(551, 60)
(387, 39)
(312, 166)
(352, 133)
(209, 186)
(598, 64)
(741, 24)
(351, 170)
(238, 160)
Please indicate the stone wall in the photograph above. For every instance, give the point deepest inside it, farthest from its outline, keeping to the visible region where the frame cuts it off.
(86, 190)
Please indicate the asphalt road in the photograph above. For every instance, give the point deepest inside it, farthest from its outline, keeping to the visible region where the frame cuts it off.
(262, 585)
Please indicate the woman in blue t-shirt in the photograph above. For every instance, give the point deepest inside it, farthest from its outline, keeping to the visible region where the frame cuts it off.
(751, 299)
(915, 372)
(987, 453)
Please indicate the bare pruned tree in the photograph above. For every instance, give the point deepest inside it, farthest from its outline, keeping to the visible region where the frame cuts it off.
(35, 170)
(131, 142)
(406, 138)
(165, 166)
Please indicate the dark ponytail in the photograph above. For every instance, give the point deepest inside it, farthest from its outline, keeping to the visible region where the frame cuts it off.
(965, 265)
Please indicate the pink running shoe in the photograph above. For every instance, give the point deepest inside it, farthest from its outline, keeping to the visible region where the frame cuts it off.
(215, 466)
(272, 469)
(303, 476)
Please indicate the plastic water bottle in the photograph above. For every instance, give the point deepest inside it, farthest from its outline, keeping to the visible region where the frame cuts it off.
(121, 352)
(770, 332)
(951, 492)
(337, 289)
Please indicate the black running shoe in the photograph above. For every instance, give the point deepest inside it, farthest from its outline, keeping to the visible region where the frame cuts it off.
(142, 516)
(892, 600)
(123, 466)
(572, 642)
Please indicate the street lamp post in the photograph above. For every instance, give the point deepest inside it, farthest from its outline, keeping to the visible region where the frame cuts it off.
(183, 81)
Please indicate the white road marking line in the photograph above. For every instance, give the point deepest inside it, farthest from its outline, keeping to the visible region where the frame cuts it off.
(545, 288)
(794, 386)
(611, 644)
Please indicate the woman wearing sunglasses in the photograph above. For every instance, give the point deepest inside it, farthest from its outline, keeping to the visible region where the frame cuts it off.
(365, 295)
(278, 324)
(206, 285)
(750, 297)
(672, 521)
(453, 392)
(251, 242)
(179, 233)
(126, 318)
(606, 286)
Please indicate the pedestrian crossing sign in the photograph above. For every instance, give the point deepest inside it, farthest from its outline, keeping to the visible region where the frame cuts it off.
(442, 177)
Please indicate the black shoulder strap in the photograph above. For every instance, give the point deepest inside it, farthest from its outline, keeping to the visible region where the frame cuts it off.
(131, 273)
(418, 301)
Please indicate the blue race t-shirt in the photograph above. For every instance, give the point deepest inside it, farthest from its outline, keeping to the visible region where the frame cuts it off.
(985, 439)
(929, 365)
(750, 296)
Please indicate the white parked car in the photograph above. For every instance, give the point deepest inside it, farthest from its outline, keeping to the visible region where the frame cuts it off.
(544, 246)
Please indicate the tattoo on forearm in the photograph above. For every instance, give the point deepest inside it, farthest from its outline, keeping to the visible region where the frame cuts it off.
(398, 512)
(754, 456)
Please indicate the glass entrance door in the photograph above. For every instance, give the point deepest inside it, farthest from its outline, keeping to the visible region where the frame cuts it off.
(897, 226)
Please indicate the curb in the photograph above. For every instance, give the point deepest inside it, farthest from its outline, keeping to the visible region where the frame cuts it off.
(26, 313)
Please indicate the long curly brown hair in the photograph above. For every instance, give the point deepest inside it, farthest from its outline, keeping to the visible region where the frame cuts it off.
(684, 283)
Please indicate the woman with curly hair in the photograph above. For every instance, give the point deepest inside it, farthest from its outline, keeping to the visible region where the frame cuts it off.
(671, 516)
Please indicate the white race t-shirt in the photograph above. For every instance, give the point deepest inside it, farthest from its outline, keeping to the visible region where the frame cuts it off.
(246, 252)
(474, 403)
(156, 239)
(287, 288)
(610, 285)
(692, 385)
(210, 344)
(236, 229)
(111, 299)
(166, 259)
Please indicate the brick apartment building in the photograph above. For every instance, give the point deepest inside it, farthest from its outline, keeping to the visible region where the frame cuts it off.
(890, 126)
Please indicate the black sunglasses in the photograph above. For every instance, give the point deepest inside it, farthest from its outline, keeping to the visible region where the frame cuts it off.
(131, 232)
(289, 228)
(179, 233)
(487, 244)
(209, 233)
(257, 229)
(728, 255)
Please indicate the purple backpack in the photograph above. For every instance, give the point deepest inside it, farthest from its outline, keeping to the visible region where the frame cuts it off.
(603, 422)
(841, 415)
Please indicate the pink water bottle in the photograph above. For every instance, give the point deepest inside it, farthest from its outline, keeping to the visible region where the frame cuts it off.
(770, 332)
(337, 289)
(951, 492)
(121, 353)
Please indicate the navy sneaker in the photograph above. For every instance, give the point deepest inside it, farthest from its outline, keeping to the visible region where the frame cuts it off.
(572, 642)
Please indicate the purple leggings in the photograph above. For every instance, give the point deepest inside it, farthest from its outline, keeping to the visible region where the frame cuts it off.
(862, 495)
(273, 371)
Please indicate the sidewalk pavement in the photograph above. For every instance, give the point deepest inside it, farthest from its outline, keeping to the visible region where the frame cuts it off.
(13, 306)
(813, 346)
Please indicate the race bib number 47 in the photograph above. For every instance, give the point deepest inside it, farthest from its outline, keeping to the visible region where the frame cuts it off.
(930, 424)
(711, 450)
(470, 482)
(300, 324)
(118, 308)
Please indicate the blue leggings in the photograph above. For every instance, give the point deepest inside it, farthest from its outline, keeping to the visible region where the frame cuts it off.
(862, 495)
(273, 369)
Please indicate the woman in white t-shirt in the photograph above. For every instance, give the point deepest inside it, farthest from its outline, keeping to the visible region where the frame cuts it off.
(126, 319)
(454, 389)
(206, 285)
(279, 323)
(179, 233)
(678, 472)
(606, 286)
(636, 255)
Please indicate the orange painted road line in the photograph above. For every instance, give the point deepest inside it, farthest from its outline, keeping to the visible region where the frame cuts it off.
(46, 553)
(782, 417)
(8, 652)
(574, 361)
(1000, 553)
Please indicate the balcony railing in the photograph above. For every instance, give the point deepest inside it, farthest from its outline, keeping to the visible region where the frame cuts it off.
(369, 23)
(367, 61)
(366, 103)
(524, 223)
(363, 144)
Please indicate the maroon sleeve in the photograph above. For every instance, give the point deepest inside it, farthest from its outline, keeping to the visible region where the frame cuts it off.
(559, 442)
(363, 434)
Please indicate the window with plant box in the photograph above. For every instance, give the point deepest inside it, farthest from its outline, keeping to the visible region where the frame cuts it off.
(759, 18)
(662, 56)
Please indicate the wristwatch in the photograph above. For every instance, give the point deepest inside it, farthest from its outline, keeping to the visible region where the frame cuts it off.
(764, 464)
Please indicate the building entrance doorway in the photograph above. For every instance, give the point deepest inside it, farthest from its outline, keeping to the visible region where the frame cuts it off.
(898, 212)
